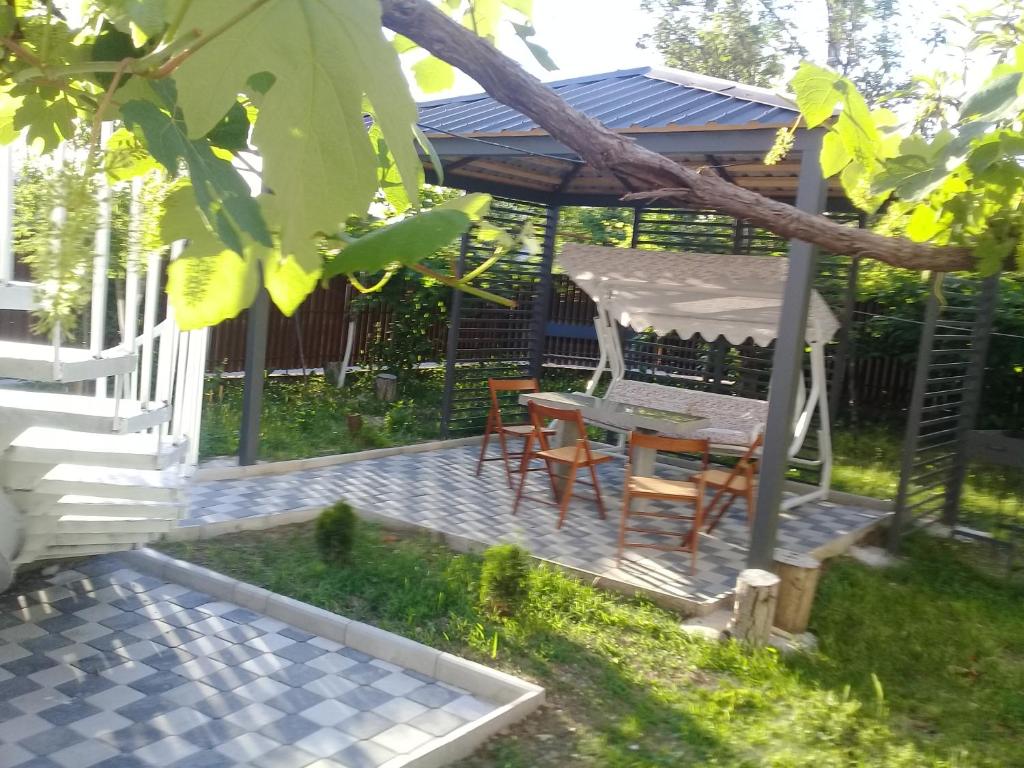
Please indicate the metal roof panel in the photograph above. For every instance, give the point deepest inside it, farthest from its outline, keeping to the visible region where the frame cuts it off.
(643, 97)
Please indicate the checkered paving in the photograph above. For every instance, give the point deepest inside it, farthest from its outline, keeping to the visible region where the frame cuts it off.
(103, 667)
(438, 490)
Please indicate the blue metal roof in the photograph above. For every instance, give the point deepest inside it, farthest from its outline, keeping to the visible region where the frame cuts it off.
(646, 98)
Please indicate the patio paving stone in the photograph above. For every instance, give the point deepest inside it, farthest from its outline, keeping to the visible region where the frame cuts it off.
(83, 687)
(437, 490)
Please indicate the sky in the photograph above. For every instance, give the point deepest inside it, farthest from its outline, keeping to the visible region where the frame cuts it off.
(592, 36)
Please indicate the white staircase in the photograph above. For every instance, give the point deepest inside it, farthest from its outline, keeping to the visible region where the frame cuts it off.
(84, 474)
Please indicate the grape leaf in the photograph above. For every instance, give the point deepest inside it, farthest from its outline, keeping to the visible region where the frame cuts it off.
(207, 289)
(410, 240)
(816, 92)
(993, 97)
(834, 156)
(220, 191)
(432, 74)
(325, 57)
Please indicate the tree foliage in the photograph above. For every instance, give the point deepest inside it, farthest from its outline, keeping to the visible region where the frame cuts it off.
(199, 88)
(961, 185)
(754, 41)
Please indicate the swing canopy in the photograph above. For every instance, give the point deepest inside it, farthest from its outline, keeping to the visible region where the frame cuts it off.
(735, 296)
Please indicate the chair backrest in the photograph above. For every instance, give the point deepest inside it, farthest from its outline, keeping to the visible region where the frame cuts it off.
(669, 445)
(495, 386)
(750, 459)
(540, 414)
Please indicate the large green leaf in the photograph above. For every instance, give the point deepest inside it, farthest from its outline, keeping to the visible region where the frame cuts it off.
(816, 92)
(834, 156)
(220, 191)
(410, 240)
(205, 290)
(993, 97)
(325, 56)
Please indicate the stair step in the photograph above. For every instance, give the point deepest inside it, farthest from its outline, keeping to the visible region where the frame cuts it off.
(18, 296)
(60, 446)
(38, 362)
(138, 485)
(80, 412)
(113, 510)
(77, 550)
(113, 526)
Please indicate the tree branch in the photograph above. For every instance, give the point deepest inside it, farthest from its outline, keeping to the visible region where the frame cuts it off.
(640, 169)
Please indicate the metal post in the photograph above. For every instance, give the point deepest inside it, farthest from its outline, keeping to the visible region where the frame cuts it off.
(257, 323)
(454, 326)
(634, 238)
(924, 352)
(841, 359)
(542, 301)
(982, 334)
(787, 363)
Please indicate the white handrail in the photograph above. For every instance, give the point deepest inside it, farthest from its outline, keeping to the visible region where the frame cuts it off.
(100, 262)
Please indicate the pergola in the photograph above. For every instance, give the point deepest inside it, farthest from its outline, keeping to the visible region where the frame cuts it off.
(719, 127)
(716, 125)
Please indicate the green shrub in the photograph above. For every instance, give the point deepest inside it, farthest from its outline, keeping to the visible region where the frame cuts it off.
(336, 532)
(504, 579)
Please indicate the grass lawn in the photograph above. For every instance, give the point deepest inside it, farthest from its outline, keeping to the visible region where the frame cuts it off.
(919, 665)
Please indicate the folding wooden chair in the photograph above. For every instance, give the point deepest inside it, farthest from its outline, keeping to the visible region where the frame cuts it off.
(572, 457)
(729, 484)
(655, 488)
(495, 426)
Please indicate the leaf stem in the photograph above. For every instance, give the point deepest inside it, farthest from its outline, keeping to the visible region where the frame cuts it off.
(472, 290)
(172, 30)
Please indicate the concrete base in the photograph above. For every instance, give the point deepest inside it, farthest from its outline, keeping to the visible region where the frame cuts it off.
(873, 557)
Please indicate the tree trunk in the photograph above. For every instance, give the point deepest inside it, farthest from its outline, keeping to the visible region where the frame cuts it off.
(639, 169)
(798, 576)
(753, 613)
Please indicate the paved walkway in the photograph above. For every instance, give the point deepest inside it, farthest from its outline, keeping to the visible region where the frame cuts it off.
(438, 491)
(104, 667)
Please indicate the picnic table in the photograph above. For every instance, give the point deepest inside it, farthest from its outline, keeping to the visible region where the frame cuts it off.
(619, 416)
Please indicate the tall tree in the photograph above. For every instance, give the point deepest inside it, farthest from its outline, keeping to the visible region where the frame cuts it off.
(743, 40)
(753, 41)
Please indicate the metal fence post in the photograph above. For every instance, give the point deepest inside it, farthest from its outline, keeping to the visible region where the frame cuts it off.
(454, 325)
(842, 356)
(973, 387)
(542, 300)
(787, 363)
(924, 350)
(257, 323)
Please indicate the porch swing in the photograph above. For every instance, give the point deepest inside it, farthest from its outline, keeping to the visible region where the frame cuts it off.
(738, 297)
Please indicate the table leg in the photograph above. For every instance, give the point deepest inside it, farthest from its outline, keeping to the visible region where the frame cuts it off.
(644, 460)
(566, 433)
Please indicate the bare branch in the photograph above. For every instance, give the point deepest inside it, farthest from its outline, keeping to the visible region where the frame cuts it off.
(640, 169)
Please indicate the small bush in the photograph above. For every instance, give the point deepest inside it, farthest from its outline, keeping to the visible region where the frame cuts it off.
(504, 580)
(336, 532)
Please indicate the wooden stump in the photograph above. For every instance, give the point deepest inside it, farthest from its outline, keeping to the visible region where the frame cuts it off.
(754, 611)
(355, 423)
(798, 575)
(385, 386)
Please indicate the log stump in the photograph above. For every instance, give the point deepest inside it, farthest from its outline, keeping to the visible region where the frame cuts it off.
(385, 386)
(753, 613)
(798, 575)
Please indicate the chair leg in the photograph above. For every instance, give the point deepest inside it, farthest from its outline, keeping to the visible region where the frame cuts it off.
(552, 479)
(522, 475)
(483, 446)
(504, 457)
(570, 480)
(597, 492)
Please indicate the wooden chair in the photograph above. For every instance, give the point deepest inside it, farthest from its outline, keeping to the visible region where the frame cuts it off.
(729, 484)
(495, 426)
(572, 457)
(655, 488)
